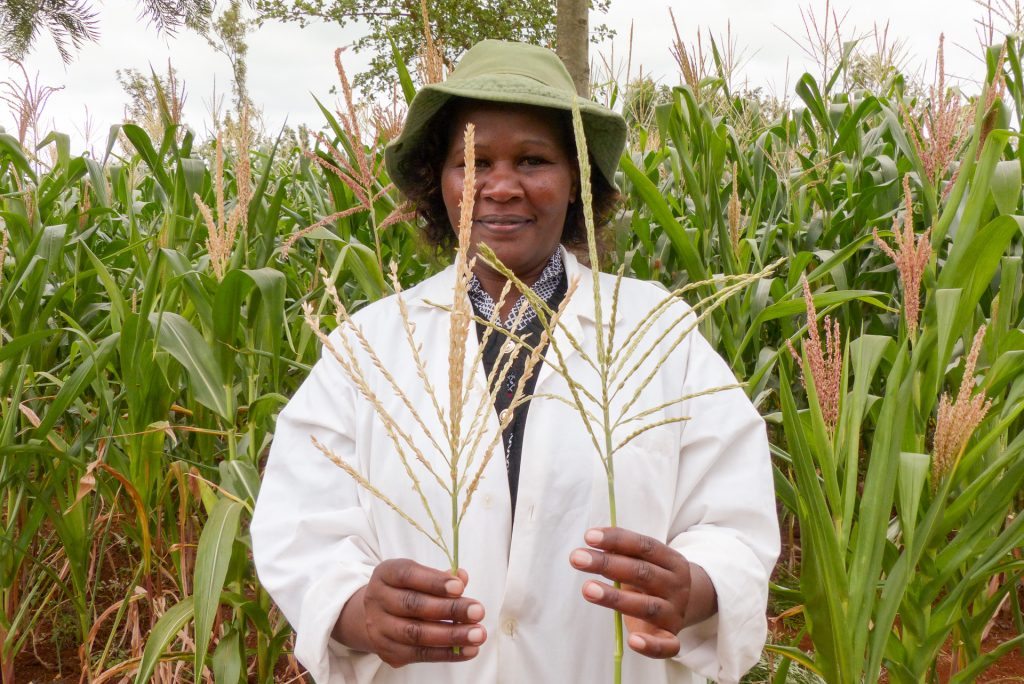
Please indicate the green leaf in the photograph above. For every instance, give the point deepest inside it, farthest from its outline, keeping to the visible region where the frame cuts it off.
(850, 129)
(229, 302)
(946, 303)
(227, 659)
(212, 560)
(792, 307)
(182, 268)
(795, 654)
(865, 354)
(823, 578)
(11, 148)
(970, 673)
(1006, 185)
(98, 181)
(408, 88)
(262, 410)
(877, 500)
(22, 342)
(807, 89)
(240, 478)
(71, 390)
(62, 143)
(332, 121)
(1006, 369)
(117, 308)
(912, 475)
(144, 146)
(43, 258)
(838, 257)
(361, 262)
(974, 206)
(981, 259)
(323, 233)
(166, 628)
(112, 136)
(1010, 286)
(662, 213)
(194, 172)
(251, 609)
(176, 336)
(264, 217)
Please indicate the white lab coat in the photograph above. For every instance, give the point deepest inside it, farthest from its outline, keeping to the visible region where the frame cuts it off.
(704, 486)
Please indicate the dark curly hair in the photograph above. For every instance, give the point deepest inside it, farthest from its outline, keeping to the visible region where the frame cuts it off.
(424, 193)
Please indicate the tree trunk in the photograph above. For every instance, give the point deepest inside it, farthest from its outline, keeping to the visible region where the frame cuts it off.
(572, 41)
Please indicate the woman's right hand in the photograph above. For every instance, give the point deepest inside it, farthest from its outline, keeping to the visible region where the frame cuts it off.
(409, 613)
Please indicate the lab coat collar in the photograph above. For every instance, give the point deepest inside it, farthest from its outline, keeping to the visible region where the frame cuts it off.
(437, 292)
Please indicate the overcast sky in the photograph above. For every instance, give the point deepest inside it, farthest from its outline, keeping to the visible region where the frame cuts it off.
(288, 65)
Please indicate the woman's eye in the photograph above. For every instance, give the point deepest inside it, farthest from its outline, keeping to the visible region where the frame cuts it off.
(534, 161)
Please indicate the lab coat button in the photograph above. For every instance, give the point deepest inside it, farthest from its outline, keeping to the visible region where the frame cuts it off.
(509, 628)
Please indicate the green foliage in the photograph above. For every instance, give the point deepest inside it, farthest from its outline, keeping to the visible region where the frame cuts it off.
(455, 25)
(230, 30)
(140, 391)
(71, 23)
(902, 548)
(67, 22)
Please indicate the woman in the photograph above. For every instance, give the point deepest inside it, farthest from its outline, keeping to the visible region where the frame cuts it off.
(370, 599)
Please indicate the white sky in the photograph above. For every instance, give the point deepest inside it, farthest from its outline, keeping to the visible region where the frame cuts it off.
(287, 65)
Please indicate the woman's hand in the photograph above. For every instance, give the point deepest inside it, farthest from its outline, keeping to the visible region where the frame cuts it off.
(409, 613)
(661, 591)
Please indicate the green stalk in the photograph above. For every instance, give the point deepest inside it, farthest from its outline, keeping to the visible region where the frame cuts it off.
(264, 665)
(231, 435)
(610, 469)
(454, 558)
(455, 523)
(253, 396)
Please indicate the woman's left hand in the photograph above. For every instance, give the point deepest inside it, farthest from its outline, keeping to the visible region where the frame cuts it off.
(661, 591)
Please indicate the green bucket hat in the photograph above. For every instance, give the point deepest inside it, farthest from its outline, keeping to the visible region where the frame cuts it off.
(501, 71)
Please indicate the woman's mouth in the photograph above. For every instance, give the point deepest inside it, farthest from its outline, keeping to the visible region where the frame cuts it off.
(501, 222)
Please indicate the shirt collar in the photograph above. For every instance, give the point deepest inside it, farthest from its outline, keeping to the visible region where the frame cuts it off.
(545, 287)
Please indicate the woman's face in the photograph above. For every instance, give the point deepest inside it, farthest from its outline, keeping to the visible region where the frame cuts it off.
(525, 181)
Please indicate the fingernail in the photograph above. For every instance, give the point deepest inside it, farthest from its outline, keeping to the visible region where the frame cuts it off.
(637, 641)
(475, 612)
(593, 591)
(594, 536)
(469, 651)
(476, 636)
(580, 558)
(453, 586)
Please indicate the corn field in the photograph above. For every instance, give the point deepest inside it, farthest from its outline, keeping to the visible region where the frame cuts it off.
(151, 327)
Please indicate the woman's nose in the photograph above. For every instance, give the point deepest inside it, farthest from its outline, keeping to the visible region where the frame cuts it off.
(500, 183)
